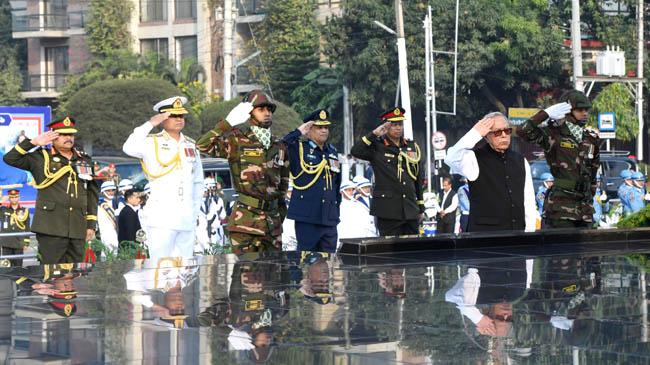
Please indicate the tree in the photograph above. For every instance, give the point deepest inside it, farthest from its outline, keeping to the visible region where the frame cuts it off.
(617, 98)
(107, 111)
(107, 27)
(10, 79)
(321, 89)
(285, 119)
(289, 41)
(508, 52)
(10, 76)
(124, 64)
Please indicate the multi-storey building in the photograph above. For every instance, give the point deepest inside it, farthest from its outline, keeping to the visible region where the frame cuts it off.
(175, 29)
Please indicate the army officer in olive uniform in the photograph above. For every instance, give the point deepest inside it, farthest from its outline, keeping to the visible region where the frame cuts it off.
(14, 218)
(66, 205)
(397, 195)
(316, 175)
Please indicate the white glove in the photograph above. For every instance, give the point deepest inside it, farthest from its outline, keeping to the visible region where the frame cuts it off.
(240, 340)
(240, 114)
(647, 197)
(558, 111)
(603, 197)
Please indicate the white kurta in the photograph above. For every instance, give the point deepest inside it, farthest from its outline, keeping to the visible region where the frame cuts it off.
(462, 160)
(176, 196)
(465, 292)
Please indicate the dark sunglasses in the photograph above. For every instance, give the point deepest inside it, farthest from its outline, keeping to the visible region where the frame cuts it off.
(176, 116)
(504, 318)
(497, 133)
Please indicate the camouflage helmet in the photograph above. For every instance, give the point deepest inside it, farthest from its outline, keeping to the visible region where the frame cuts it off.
(260, 98)
(576, 98)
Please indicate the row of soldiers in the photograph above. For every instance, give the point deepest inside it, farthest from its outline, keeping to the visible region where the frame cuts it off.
(262, 165)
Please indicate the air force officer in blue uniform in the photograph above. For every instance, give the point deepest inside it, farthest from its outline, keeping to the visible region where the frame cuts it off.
(316, 175)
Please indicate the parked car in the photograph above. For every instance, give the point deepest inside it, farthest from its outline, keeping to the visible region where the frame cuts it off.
(218, 167)
(611, 165)
(130, 168)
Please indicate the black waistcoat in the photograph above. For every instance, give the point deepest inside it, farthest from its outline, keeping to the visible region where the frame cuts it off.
(497, 200)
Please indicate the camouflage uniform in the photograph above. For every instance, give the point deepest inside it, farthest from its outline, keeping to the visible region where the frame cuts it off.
(260, 177)
(574, 163)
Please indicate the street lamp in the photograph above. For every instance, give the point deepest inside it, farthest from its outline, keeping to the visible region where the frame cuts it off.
(384, 27)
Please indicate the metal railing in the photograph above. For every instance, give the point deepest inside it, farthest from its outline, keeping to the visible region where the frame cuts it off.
(43, 22)
(252, 7)
(44, 82)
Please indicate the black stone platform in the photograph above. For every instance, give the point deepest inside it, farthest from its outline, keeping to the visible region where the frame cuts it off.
(383, 245)
(560, 298)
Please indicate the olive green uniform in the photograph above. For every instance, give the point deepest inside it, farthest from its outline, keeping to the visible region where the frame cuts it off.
(66, 204)
(12, 221)
(260, 177)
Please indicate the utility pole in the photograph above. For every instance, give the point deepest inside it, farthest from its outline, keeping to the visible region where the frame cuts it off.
(403, 70)
(348, 132)
(576, 45)
(228, 62)
(639, 85)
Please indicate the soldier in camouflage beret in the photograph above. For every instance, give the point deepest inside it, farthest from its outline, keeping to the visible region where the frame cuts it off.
(572, 152)
(260, 169)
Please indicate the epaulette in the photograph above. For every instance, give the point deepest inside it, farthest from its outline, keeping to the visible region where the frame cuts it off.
(159, 134)
(190, 139)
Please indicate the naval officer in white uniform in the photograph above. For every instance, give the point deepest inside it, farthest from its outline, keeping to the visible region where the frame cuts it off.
(172, 165)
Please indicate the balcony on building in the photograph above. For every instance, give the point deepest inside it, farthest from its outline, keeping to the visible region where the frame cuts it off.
(251, 11)
(43, 86)
(60, 25)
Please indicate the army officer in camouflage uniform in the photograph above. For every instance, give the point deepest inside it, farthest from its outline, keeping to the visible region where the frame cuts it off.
(572, 152)
(66, 205)
(260, 169)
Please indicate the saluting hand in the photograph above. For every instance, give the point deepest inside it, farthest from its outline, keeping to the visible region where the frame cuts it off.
(305, 127)
(484, 126)
(159, 118)
(44, 139)
(382, 129)
(486, 326)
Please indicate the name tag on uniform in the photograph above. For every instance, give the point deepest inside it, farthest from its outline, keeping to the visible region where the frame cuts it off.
(253, 305)
(567, 144)
(252, 152)
(389, 155)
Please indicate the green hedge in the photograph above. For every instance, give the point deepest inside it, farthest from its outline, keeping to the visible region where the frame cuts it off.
(285, 119)
(638, 219)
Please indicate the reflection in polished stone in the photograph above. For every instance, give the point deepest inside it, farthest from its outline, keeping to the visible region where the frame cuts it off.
(474, 306)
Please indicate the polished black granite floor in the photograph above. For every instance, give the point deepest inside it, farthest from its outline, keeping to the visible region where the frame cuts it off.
(565, 304)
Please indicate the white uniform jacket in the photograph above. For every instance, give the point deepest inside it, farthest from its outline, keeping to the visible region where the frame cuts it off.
(175, 174)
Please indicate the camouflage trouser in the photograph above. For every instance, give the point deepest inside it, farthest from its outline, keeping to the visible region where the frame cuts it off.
(254, 230)
(567, 209)
(244, 242)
